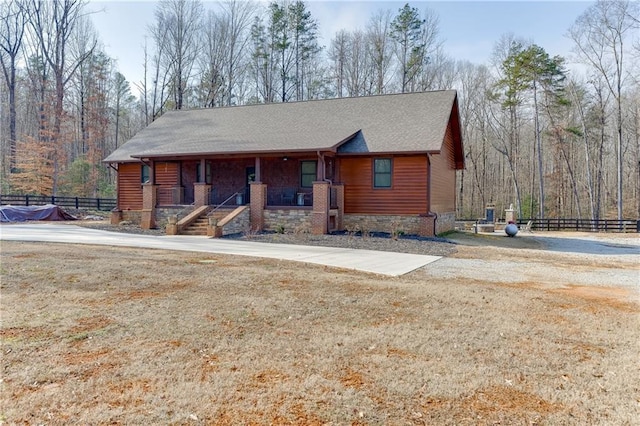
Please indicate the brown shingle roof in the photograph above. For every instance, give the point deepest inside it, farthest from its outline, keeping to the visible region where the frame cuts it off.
(413, 122)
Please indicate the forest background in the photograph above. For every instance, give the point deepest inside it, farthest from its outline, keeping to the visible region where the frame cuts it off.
(553, 143)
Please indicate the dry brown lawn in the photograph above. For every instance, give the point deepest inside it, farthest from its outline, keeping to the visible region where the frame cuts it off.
(100, 335)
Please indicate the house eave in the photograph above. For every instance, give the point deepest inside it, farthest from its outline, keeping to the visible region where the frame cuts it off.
(234, 154)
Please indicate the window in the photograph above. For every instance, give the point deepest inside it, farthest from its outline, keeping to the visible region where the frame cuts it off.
(145, 174)
(382, 173)
(308, 173)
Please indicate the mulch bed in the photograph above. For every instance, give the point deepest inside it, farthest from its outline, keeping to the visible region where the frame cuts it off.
(433, 246)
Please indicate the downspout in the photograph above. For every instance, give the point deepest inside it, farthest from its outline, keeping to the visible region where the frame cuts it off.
(117, 208)
(435, 218)
(429, 212)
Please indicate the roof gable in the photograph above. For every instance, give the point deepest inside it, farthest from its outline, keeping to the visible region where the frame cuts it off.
(414, 122)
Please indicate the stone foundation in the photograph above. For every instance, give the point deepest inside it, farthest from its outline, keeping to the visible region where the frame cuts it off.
(240, 224)
(380, 223)
(445, 222)
(133, 216)
(163, 214)
(411, 225)
(288, 220)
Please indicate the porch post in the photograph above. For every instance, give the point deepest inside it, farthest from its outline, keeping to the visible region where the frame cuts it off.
(258, 172)
(149, 200)
(201, 193)
(320, 213)
(257, 204)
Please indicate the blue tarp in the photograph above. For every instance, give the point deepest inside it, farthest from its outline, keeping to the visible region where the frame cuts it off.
(25, 213)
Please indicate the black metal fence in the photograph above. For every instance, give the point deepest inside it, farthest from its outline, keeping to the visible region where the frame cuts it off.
(586, 225)
(72, 202)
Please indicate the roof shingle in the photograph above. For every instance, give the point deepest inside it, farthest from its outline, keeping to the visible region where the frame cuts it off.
(414, 122)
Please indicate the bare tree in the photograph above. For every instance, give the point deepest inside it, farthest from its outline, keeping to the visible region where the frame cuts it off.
(264, 60)
(236, 20)
(380, 50)
(212, 61)
(600, 35)
(357, 65)
(12, 18)
(178, 23)
(53, 24)
(338, 59)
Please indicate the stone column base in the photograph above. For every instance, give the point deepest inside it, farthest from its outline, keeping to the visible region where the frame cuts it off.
(172, 225)
(116, 217)
(214, 231)
(148, 219)
(428, 225)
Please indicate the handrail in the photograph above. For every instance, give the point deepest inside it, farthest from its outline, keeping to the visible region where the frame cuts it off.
(224, 202)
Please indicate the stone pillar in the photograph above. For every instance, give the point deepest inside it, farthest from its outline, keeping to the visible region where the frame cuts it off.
(116, 217)
(320, 214)
(172, 225)
(510, 215)
(427, 225)
(149, 200)
(201, 193)
(340, 201)
(213, 230)
(257, 205)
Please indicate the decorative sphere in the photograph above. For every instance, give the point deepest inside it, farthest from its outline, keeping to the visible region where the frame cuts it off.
(511, 229)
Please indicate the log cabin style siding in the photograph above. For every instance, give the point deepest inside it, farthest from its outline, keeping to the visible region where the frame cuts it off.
(129, 186)
(407, 194)
(168, 179)
(443, 176)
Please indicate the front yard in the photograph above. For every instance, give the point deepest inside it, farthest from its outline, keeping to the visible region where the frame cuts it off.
(101, 335)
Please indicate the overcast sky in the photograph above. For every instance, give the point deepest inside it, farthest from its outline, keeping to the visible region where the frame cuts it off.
(469, 28)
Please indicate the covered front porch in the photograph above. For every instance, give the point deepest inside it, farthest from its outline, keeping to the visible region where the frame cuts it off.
(276, 189)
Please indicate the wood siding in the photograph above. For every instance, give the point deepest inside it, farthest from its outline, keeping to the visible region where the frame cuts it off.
(167, 178)
(188, 177)
(443, 176)
(129, 186)
(407, 195)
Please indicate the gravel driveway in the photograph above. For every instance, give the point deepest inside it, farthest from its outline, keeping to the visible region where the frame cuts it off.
(564, 259)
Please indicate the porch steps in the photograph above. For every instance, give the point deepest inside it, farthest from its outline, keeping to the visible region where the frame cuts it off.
(199, 226)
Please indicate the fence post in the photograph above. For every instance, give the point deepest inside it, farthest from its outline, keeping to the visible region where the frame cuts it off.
(98, 203)
(76, 202)
(26, 200)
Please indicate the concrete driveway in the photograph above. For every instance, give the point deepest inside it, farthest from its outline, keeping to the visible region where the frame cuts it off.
(377, 262)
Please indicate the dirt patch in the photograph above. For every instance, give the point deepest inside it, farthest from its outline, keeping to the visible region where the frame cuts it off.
(601, 297)
(490, 406)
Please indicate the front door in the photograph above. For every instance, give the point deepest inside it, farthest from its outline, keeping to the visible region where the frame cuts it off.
(251, 177)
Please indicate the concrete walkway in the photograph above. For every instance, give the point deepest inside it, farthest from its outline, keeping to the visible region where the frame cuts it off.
(378, 262)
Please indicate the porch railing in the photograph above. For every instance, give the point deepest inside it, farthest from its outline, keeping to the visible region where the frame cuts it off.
(169, 195)
(333, 198)
(235, 198)
(289, 196)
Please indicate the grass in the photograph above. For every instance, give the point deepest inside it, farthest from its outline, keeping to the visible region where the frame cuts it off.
(100, 335)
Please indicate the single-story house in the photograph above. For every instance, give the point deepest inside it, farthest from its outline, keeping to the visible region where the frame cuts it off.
(381, 163)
